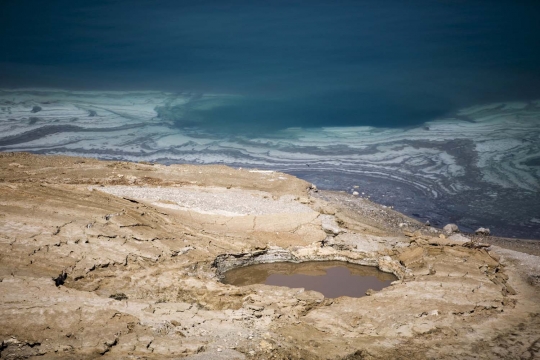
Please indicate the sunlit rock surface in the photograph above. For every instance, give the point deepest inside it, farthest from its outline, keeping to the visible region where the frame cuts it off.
(123, 260)
(477, 167)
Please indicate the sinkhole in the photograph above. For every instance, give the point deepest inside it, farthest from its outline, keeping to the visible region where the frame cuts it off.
(331, 278)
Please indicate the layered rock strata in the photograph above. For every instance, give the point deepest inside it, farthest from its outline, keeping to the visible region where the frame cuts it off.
(124, 260)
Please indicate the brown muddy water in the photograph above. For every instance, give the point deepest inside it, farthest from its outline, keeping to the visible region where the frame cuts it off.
(331, 278)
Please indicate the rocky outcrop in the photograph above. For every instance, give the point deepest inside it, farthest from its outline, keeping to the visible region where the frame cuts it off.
(450, 229)
(413, 257)
(483, 231)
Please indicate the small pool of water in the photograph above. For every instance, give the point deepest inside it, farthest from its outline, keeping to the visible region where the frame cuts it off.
(331, 278)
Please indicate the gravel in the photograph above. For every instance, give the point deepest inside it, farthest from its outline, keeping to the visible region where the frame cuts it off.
(211, 200)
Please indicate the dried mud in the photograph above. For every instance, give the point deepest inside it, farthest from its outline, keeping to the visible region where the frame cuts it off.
(123, 261)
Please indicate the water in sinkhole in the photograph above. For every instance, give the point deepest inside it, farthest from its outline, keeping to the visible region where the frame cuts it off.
(331, 278)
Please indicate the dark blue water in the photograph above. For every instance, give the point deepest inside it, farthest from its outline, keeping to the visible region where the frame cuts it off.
(295, 63)
(244, 70)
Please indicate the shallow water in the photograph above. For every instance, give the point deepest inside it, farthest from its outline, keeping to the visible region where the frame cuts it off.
(331, 278)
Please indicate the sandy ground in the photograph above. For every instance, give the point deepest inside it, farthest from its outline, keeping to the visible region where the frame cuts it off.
(211, 200)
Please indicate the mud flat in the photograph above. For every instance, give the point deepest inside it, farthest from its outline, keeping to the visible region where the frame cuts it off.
(125, 260)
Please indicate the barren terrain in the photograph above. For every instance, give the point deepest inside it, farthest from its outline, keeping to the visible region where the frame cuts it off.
(124, 260)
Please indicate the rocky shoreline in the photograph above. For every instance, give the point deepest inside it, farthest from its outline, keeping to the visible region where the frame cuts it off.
(392, 219)
(123, 260)
(427, 171)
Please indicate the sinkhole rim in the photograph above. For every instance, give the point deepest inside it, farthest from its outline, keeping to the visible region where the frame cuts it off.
(332, 278)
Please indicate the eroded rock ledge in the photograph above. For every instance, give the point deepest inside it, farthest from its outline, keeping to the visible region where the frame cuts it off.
(123, 260)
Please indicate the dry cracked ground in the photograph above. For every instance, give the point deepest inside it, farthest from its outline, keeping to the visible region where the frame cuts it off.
(124, 260)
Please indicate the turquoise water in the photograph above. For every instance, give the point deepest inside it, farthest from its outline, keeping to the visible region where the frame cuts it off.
(476, 167)
(428, 106)
(282, 63)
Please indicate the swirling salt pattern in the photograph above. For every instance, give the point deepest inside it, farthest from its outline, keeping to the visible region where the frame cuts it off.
(125, 125)
(489, 147)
